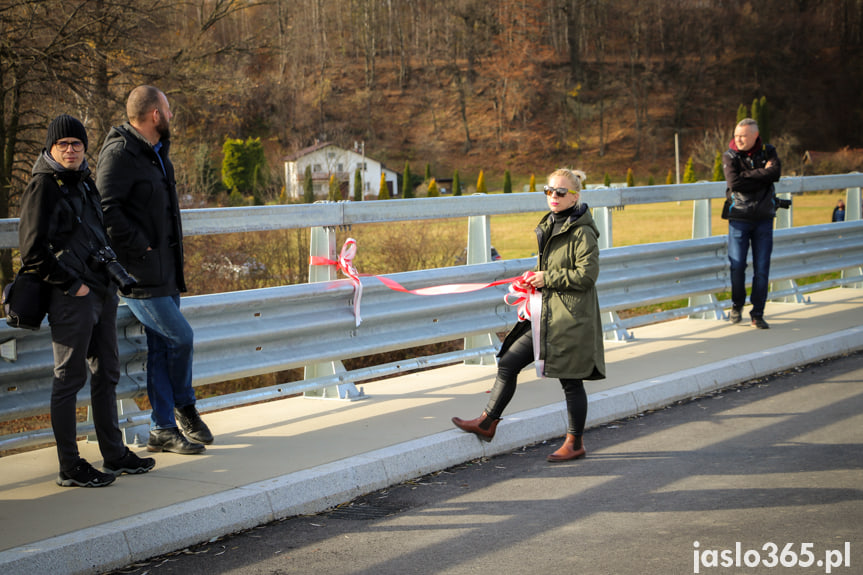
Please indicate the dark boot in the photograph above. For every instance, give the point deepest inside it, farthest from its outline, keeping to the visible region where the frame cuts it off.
(572, 448)
(483, 426)
(172, 440)
(192, 425)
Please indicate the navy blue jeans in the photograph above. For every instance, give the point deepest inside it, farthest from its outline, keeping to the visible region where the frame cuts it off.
(169, 356)
(742, 235)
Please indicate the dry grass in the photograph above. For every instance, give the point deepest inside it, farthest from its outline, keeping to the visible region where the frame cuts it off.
(513, 236)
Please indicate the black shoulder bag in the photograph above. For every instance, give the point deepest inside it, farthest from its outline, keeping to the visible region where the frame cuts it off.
(26, 300)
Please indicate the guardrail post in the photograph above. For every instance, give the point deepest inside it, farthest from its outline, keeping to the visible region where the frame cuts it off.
(323, 244)
(479, 252)
(853, 211)
(784, 220)
(136, 435)
(702, 227)
(610, 319)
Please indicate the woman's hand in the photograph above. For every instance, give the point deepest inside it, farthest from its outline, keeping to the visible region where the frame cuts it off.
(537, 279)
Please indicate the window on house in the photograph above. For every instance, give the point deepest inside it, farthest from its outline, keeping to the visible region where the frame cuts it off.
(316, 168)
(340, 167)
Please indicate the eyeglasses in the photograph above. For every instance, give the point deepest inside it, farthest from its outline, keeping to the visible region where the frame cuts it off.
(76, 146)
(559, 192)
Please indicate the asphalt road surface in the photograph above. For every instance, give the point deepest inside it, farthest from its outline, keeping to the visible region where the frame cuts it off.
(764, 477)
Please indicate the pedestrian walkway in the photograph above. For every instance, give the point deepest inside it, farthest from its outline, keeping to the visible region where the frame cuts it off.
(297, 456)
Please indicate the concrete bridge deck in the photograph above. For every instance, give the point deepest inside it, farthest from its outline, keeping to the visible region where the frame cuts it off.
(298, 456)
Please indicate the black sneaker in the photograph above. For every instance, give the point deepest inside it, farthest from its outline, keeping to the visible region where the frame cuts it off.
(129, 463)
(734, 315)
(172, 440)
(759, 323)
(192, 425)
(84, 475)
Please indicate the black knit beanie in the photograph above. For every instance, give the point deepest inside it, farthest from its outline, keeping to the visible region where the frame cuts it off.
(65, 126)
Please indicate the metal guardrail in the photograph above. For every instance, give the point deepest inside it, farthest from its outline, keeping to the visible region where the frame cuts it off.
(262, 218)
(253, 332)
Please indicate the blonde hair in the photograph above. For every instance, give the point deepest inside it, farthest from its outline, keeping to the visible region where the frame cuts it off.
(576, 179)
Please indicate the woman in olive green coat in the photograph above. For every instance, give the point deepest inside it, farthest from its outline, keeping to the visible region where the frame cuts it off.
(570, 329)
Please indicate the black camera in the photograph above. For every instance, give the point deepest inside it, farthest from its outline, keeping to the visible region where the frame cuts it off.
(783, 203)
(106, 258)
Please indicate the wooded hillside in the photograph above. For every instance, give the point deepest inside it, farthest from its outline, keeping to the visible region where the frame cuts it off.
(519, 85)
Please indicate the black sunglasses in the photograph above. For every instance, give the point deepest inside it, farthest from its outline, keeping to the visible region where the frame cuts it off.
(559, 192)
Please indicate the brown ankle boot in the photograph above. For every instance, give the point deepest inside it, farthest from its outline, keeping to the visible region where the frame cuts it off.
(572, 448)
(483, 426)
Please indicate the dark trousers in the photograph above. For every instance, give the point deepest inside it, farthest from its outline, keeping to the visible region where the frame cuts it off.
(516, 358)
(742, 235)
(84, 335)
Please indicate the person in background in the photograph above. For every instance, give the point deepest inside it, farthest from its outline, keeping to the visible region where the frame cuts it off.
(63, 240)
(839, 212)
(139, 201)
(570, 327)
(751, 168)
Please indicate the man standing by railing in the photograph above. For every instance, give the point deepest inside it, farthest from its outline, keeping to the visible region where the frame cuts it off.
(139, 200)
(751, 168)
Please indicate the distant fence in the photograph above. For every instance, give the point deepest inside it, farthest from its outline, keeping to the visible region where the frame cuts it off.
(254, 332)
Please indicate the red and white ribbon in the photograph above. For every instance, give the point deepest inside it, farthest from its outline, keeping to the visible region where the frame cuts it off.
(527, 298)
(345, 264)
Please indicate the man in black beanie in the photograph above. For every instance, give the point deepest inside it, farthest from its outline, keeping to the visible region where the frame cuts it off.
(59, 233)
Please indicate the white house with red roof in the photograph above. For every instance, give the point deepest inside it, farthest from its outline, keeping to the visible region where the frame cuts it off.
(326, 159)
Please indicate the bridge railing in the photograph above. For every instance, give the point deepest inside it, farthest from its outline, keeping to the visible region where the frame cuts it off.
(253, 332)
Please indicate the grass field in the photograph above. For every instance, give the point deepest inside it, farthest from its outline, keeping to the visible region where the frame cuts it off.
(512, 235)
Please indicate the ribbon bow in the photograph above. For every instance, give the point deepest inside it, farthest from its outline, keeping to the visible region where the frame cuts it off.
(345, 264)
(519, 294)
(528, 300)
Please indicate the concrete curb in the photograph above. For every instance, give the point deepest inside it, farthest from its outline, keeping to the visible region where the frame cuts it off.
(118, 543)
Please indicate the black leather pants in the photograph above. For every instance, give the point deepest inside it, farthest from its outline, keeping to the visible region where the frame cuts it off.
(516, 358)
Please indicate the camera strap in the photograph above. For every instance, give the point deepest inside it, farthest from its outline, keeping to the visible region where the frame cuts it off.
(78, 203)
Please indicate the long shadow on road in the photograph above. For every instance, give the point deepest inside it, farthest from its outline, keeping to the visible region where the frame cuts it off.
(777, 460)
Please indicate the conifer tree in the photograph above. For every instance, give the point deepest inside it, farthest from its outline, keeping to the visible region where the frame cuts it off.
(407, 181)
(689, 172)
(334, 186)
(480, 184)
(456, 184)
(630, 178)
(358, 185)
(718, 174)
(607, 180)
(507, 183)
(741, 112)
(756, 111)
(383, 190)
(433, 190)
(764, 121)
(532, 185)
(308, 186)
(651, 181)
(283, 195)
(428, 173)
(669, 179)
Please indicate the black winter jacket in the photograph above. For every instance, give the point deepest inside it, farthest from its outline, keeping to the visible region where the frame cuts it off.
(61, 227)
(139, 200)
(750, 191)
